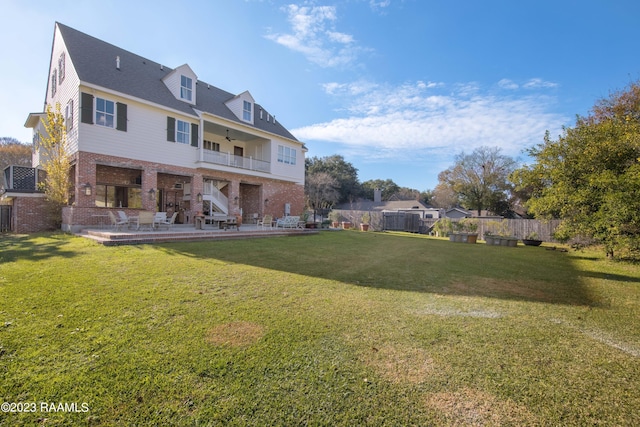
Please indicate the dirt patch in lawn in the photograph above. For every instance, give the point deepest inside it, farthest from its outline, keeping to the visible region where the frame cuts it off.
(236, 334)
(469, 407)
(401, 364)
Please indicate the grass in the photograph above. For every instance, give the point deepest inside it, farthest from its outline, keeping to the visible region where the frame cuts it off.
(340, 328)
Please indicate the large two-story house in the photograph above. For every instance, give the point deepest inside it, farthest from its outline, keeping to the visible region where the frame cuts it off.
(144, 136)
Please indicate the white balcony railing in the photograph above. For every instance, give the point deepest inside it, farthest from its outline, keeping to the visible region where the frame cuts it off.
(228, 159)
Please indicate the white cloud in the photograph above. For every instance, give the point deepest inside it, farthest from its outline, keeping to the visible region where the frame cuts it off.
(313, 34)
(508, 84)
(539, 84)
(419, 119)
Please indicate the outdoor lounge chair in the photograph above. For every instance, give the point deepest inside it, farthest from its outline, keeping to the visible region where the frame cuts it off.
(266, 222)
(167, 222)
(117, 222)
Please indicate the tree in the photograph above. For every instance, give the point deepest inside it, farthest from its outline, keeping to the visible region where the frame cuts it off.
(13, 152)
(321, 191)
(444, 197)
(54, 159)
(342, 171)
(590, 176)
(480, 179)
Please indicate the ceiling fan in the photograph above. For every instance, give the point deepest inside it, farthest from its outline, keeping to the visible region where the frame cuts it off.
(229, 138)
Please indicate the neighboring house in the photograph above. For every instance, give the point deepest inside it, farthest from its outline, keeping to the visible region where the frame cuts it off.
(378, 205)
(144, 136)
(458, 213)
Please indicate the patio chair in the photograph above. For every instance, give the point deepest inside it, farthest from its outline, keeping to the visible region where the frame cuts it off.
(266, 222)
(117, 222)
(145, 219)
(168, 222)
(159, 218)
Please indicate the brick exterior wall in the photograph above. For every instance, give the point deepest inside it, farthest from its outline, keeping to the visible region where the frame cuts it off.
(31, 214)
(255, 195)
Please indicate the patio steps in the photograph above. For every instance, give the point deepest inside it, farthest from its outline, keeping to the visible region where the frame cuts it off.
(115, 238)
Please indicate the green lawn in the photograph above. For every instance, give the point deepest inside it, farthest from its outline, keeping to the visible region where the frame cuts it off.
(339, 328)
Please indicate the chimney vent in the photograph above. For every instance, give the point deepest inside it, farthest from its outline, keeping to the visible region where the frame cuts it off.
(377, 195)
(118, 62)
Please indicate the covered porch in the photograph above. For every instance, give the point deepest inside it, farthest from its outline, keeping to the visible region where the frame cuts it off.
(233, 148)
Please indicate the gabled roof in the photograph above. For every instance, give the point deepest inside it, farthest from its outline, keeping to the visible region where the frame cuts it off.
(95, 62)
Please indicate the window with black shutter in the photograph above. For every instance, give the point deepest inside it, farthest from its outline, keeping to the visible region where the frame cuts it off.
(194, 135)
(171, 129)
(86, 108)
(121, 122)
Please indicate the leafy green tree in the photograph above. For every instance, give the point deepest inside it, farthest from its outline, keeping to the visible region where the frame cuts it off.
(344, 173)
(590, 176)
(55, 160)
(480, 180)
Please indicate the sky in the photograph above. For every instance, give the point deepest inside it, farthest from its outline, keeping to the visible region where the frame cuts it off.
(397, 87)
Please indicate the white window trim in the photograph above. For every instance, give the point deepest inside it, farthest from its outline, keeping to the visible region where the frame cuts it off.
(186, 90)
(246, 112)
(68, 115)
(287, 155)
(186, 134)
(95, 113)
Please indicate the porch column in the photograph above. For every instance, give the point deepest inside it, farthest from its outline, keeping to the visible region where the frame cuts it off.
(197, 187)
(149, 190)
(234, 198)
(85, 174)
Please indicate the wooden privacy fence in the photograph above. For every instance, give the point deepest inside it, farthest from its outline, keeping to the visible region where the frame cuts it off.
(401, 221)
(411, 222)
(520, 228)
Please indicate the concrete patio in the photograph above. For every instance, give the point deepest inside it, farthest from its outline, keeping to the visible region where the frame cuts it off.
(186, 232)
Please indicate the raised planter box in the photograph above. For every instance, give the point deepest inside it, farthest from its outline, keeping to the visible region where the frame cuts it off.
(508, 241)
(463, 237)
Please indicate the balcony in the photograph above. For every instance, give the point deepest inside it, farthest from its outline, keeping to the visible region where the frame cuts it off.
(20, 179)
(228, 159)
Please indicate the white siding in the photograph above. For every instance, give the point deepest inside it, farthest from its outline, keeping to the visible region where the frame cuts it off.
(145, 138)
(287, 171)
(66, 91)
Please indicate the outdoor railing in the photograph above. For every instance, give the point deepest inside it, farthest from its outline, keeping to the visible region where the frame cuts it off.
(228, 159)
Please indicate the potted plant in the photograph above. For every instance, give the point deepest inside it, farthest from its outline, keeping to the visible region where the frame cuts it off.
(305, 218)
(443, 227)
(366, 217)
(456, 232)
(489, 238)
(532, 239)
(334, 216)
(464, 231)
(470, 226)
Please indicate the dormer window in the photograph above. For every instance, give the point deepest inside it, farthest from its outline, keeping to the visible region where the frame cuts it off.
(246, 111)
(186, 88)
